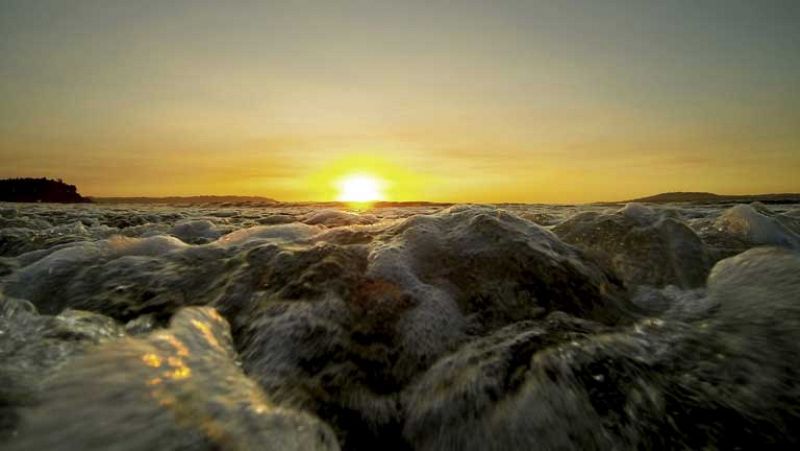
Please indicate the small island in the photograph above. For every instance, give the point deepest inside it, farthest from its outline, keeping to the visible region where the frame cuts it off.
(39, 190)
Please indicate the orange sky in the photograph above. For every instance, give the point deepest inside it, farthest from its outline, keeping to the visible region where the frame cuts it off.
(447, 101)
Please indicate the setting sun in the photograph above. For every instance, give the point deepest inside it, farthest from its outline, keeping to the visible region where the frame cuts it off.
(360, 188)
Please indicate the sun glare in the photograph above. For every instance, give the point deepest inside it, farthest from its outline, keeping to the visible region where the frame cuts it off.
(360, 188)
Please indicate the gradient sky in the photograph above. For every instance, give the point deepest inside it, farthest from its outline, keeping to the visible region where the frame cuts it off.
(535, 101)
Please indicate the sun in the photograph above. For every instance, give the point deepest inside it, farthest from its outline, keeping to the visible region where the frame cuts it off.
(360, 188)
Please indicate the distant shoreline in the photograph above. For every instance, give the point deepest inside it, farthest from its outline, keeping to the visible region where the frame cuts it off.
(184, 199)
(702, 197)
(37, 190)
(672, 197)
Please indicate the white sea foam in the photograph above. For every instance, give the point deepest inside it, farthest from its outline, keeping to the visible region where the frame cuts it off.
(757, 226)
(435, 328)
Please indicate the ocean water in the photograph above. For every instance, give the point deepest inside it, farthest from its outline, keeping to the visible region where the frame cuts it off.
(469, 327)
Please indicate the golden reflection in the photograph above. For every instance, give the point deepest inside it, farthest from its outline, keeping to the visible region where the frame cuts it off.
(180, 348)
(170, 384)
(360, 206)
(258, 403)
(181, 371)
(207, 334)
(215, 315)
(152, 360)
(174, 362)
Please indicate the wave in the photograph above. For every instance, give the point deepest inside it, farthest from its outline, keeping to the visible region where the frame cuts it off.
(423, 327)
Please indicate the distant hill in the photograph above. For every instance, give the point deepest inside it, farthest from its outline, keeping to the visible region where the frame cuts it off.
(697, 197)
(190, 200)
(39, 190)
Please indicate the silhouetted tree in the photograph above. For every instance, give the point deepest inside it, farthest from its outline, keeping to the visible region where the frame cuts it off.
(39, 190)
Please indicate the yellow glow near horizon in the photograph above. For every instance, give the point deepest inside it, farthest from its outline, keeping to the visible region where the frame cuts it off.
(360, 177)
(360, 188)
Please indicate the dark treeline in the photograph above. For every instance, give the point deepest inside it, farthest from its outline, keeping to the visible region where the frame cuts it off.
(39, 190)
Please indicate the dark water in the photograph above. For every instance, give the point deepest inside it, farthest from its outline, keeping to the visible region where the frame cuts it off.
(471, 327)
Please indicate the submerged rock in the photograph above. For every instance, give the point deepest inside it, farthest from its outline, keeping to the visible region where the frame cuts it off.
(175, 389)
(644, 246)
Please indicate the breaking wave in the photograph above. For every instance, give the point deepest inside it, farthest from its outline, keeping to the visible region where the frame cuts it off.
(469, 327)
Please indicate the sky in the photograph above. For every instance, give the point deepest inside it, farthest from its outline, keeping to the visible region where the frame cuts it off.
(461, 101)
